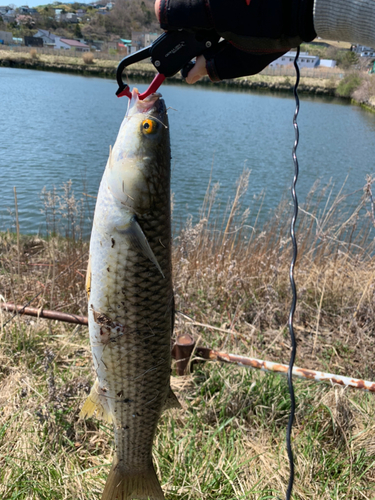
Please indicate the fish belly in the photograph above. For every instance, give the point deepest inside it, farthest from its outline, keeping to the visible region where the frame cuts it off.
(130, 320)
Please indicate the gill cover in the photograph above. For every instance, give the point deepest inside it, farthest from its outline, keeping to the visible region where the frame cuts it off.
(129, 167)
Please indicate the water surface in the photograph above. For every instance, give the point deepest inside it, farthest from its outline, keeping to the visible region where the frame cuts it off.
(56, 127)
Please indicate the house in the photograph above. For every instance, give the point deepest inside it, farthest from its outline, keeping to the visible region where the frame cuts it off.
(24, 9)
(363, 51)
(69, 17)
(4, 10)
(58, 14)
(141, 40)
(304, 60)
(32, 41)
(327, 63)
(47, 37)
(67, 44)
(6, 38)
(9, 17)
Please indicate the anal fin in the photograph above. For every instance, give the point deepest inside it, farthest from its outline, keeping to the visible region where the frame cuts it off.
(96, 403)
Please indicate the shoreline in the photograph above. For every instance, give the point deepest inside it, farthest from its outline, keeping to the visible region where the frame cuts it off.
(101, 68)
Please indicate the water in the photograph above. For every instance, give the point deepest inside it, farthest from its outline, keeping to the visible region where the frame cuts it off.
(56, 127)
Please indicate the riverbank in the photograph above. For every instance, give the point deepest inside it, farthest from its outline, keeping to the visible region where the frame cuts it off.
(319, 86)
(233, 294)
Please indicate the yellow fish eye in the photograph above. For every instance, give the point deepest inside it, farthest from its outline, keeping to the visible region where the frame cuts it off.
(149, 126)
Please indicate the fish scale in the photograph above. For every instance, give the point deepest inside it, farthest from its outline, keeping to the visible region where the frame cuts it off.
(131, 297)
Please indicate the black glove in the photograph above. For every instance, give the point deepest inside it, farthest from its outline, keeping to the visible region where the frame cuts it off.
(256, 32)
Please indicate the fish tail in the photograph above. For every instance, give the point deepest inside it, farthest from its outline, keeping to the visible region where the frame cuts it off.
(125, 485)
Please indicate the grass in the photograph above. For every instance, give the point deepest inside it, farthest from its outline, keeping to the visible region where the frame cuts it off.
(55, 61)
(228, 441)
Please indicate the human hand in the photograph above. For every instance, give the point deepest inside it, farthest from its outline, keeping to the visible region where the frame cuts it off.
(199, 69)
(255, 32)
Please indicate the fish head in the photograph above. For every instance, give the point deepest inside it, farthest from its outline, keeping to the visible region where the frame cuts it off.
(139, 164)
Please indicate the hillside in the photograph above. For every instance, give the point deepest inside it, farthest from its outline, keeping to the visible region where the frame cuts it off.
(119, 21)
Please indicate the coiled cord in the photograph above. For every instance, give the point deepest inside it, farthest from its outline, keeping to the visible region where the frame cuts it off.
(292, 284)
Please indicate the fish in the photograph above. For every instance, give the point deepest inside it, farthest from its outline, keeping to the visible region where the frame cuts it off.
(130, 297)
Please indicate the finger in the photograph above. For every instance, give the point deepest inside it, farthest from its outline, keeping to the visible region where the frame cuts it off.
(157, 9)
(199, 70)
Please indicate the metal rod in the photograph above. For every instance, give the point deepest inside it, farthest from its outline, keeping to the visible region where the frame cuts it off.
(42, 313)
(270, 366)
(207, 354)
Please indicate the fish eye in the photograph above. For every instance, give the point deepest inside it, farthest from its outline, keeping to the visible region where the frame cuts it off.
(149, 126)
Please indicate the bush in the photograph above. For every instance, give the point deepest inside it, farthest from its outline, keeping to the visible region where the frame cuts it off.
(346, 59)
(348, 85)
(366, 90)
(88, 57)
(33, 54)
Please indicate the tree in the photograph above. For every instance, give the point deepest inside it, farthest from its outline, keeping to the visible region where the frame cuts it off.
(77, 31)
(346, 59)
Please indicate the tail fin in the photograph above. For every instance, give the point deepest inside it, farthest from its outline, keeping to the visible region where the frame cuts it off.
(123, 485)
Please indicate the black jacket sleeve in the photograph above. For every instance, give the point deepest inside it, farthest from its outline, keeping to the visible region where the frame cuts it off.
(256, 31)
(230, 62)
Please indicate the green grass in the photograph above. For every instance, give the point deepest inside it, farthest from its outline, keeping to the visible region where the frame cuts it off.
(228, 441)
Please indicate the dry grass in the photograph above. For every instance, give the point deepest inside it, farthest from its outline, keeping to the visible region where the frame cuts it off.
(67, 60)
(365, 93)
(88, 57)
(33, 54)
(228, 441)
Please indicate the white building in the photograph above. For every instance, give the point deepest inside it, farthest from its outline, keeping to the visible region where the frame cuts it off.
(327, 63)
(304, 60)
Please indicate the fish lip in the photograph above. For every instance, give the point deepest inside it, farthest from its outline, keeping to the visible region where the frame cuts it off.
(152, 101)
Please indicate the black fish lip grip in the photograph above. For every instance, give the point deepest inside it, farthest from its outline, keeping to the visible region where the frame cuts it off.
(171, 52)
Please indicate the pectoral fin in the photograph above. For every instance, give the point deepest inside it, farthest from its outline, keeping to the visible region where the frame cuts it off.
(171, 401)
(138, 241)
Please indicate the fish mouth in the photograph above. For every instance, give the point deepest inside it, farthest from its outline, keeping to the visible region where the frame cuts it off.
(151, 103)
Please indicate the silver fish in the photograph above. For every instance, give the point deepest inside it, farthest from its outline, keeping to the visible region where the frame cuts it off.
(131, 307)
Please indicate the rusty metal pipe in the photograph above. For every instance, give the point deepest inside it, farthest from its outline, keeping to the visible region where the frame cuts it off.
(269, 366)
(186, 345)
(42, 313)
(182, 351)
